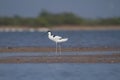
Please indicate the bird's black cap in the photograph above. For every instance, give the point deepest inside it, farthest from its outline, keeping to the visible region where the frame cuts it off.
(48, 31)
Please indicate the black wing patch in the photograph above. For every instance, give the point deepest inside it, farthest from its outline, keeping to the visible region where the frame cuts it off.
(54, 35)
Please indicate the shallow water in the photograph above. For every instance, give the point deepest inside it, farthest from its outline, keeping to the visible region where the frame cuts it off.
(104, 38)
(60, 71)
(15, 54)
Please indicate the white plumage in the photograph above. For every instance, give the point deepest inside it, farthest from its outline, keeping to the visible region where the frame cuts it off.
(56, 39)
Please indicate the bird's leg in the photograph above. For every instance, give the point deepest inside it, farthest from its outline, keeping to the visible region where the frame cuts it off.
(56, 48)
(60, 48)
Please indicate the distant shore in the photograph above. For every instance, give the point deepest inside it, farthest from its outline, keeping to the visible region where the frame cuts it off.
(86, 28)
(40, 29)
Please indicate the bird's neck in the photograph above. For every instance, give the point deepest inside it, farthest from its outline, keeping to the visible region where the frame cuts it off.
(49, 35)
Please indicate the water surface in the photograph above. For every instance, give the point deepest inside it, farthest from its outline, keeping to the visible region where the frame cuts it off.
(60, 71)
(110, 38)
(35, 54)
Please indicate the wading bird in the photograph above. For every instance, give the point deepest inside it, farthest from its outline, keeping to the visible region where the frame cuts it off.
(56, 39)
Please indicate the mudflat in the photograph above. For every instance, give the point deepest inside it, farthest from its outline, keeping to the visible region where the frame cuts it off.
(94, 58)
(113, 58)
(52, 49)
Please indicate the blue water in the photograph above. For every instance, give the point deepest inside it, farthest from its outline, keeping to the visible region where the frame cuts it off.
(35, 54)
(63, 71)
(104, 38)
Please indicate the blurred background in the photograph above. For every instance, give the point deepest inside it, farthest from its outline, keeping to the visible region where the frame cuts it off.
(47, 13)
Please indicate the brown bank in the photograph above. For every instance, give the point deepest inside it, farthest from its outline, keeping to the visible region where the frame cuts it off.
(114, 58)
(97, 58)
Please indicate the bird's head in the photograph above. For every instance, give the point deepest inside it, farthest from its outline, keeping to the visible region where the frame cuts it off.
(49, 32)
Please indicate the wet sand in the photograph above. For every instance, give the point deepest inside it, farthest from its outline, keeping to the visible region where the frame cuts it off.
(52, 49)
(113, 58)
(96, 58)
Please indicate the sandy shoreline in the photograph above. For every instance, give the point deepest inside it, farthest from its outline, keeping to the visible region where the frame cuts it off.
(52, 49)
(55, 28)
(113, 58)
(96, 58)
(86, 28)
